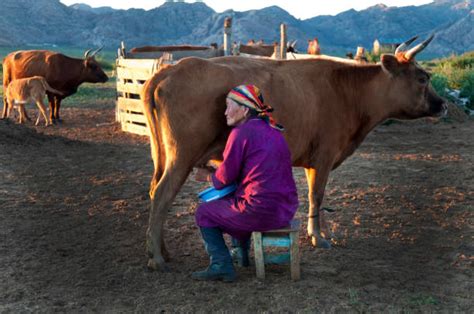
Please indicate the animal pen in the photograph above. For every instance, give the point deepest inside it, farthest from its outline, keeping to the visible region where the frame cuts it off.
(134, 67)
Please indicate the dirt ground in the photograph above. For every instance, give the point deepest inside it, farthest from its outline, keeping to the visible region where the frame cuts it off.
(74, 210)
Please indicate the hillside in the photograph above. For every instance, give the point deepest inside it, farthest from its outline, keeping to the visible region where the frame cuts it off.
(49, 22)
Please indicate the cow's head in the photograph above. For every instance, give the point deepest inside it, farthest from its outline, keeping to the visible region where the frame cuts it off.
(92, 71)
(411, 90)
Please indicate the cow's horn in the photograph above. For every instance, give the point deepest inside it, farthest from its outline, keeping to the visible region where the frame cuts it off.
(96, 51)
(86, 54)
(405, 45)
(410, 54)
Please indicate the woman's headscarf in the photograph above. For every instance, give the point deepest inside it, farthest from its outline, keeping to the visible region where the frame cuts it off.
(251, 97)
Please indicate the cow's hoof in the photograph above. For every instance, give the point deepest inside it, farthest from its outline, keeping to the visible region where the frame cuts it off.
(320, 242)
(154, 265)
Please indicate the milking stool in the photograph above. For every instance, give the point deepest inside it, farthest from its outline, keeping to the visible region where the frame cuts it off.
(285, 237)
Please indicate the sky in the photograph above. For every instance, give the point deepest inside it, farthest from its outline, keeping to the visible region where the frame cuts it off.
(301, 9)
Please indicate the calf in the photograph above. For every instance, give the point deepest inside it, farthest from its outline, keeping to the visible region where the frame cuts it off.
(28, 90)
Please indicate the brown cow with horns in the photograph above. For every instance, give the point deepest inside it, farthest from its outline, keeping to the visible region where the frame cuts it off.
(327, 106)
(61, 72)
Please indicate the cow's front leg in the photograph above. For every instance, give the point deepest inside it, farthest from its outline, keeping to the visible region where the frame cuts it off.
(317, 226)
(162, 192)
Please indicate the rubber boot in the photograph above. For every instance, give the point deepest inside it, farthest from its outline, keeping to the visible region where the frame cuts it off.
(240, 252)
(220, 267)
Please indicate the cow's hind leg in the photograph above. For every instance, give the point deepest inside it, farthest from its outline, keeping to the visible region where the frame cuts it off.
(317, 227)
(57, 101)
(52, 105)
(162, 195)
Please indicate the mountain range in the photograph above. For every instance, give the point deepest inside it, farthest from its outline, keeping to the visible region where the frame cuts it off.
(49, 22)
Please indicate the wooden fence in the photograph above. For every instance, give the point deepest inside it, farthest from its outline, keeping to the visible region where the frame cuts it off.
(131, 75)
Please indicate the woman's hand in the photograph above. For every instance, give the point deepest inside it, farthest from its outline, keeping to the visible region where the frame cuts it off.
(202, 175)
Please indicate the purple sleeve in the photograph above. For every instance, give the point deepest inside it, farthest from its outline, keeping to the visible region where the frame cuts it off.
(229, 171)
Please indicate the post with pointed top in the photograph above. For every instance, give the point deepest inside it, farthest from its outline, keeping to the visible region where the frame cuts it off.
(283, 41)
(227, 36)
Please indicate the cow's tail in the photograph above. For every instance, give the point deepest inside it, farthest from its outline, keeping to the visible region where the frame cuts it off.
(151, 111)
(49, 88)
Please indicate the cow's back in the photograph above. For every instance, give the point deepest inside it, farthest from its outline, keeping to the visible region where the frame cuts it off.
(26, 89)
(298, 90)
(27, 63)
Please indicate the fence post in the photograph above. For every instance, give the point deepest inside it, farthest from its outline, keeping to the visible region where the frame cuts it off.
(283, 41)
(227, 36)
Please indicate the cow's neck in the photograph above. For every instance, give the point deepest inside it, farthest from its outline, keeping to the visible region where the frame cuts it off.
(363, 93)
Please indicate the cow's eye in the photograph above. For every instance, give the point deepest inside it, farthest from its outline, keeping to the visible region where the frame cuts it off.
(93, 66)
(423, 80)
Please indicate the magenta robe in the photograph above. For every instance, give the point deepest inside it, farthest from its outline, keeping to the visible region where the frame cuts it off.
(257, 158)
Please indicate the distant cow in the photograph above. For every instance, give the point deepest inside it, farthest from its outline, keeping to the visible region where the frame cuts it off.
(61, 72)
(327, 105)
(265, 50)
(28, 90)
(313, 47)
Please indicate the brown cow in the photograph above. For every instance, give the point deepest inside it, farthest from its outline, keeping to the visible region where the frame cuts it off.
(28, 90)
(327, 107)
(61, 72)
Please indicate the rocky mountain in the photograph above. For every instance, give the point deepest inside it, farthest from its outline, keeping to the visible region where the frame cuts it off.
(38, 22)
(85, 7)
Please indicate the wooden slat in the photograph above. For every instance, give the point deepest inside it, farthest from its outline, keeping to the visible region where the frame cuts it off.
(132, 117)
(278, 241)
(136, 63)
(294, 225)
(135, 128)
(134, 74)
(133, 88)
(258, 253)
(129, 104)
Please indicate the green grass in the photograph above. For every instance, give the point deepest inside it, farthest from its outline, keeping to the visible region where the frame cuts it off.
(454, 72)
(421, 300)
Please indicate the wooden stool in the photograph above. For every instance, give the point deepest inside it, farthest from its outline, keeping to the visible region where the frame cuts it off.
(285, 237)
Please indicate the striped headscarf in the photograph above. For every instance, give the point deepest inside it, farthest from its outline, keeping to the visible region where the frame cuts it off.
(251, 97)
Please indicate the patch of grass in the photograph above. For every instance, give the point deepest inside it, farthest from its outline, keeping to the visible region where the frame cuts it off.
(353, 297)
(440, 83)
(93, 95)
(467, 89)
(421, 299)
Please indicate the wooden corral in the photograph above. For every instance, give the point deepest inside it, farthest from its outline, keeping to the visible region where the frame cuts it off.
(134, 67)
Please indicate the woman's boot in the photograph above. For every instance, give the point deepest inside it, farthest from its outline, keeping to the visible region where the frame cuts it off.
(220, 267)
(240, 252)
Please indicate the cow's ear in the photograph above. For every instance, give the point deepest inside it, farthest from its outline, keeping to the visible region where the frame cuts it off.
(390, 64)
